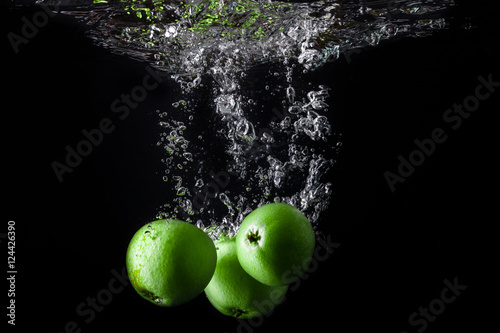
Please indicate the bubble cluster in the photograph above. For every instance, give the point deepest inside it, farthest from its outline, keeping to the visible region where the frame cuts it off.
(277, 159)
(176, 159)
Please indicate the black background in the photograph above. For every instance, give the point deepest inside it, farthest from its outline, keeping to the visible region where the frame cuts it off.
(396, 248)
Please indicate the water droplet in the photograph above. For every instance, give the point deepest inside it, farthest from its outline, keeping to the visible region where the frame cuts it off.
(290, 94)
(200, 225)
(199, 183)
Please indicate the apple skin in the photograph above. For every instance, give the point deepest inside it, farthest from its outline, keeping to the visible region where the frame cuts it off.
(275, 244)
(170, 262)
(235, 293)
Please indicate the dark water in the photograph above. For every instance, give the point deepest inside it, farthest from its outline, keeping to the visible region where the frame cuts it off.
(396, 247)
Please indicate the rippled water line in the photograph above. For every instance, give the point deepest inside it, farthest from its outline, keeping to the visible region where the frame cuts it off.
(202, 35)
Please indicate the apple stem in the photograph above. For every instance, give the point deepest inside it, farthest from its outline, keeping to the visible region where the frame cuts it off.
(253, 237)
(239, 312)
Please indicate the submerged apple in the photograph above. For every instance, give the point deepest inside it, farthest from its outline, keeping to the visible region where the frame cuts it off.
(170, 262)
(235, 293)
(275, 244)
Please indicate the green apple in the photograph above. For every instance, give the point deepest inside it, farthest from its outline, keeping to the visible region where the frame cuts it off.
(275, 244)
(235, 293)
(170, 262)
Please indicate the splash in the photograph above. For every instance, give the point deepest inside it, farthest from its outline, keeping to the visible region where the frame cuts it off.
(222, 37)
(251, 150)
